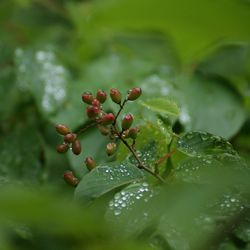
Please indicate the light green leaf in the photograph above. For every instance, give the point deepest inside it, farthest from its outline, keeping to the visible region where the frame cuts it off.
(211, 106)
(105, 178)
(162, 106)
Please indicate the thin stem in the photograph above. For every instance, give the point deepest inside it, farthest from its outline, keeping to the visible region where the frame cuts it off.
(157, 163)
(120, 110)
(86, 128)
(140, 163)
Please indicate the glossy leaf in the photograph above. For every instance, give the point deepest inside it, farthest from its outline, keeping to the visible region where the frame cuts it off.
(105, 178)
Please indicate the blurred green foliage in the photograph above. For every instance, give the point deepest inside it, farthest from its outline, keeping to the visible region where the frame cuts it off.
(192, 61)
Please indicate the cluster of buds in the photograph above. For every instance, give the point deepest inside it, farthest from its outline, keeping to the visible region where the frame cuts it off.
(106, 124)
(70, 140)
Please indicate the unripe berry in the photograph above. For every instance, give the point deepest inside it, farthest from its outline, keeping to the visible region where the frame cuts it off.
(107, 119)
(62, 148)
(62, 129)
(127, 121)
(92, 112)
(76, 147)
(90, 163)
(115, 95)
(104, 130)
(134, 93)
(87, 97)
(110, 148)
(70, 137)
(101, 96)
(133, 132)
(69, 177)
(96, 103)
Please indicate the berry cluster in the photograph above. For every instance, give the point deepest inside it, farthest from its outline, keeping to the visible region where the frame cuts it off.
(106, 123)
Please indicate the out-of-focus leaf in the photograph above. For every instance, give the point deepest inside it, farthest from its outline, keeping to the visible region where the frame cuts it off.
(193, 26)
(20, 152)
(123, 203)
(105, 178)
(227, 61)
(39, 73)
(210, 106)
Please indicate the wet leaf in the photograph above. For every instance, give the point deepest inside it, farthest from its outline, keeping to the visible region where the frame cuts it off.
(39, 73)
(105, 178)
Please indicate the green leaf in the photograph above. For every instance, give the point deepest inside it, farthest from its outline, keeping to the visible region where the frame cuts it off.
(162, 106)
(121, 208)
(39, 73)
(211, 106)
(105, 178)
(20, 151)
(204, 144)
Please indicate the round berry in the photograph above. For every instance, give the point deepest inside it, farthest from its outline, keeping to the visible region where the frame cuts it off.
(133, 132)
(76, 147)
(110, 148)
(127, 121)
(90, 163)
(62, 129)
(107, 119)
(87, 97)
(69, 177)
(69, 138)
(134, 93)
(93, 111)
(62, 148)
(115, 95)
(101, 96)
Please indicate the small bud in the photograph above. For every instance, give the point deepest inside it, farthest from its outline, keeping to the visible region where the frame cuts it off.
(90, 163)
(125, 134)
(101, 96)
(69, 177)
(115, 95)
(133, 132)
(134, 93)
(107, 119)
(62, 129)
(104, 130)
(127, 121)
(62, 148)
(69, 138)
(92, 112)
(87, 97)
(110, 148)
(96, 103)
(76, 147)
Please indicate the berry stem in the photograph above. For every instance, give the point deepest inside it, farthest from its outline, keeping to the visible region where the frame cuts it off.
(140, 163)
(157, 163)
(120, 110)
(82, 130)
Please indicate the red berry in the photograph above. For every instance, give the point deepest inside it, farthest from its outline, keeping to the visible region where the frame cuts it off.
(76, 147)
(110, 148)
(90, 163)
(93, 111)
(69, 177)
(62, 129)
(96, 103)
(69, 138)
(127, 121)
(115, 95)
(134, 93)
(101, 96)
(107, 119)
(62, 148)
(87, 97)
